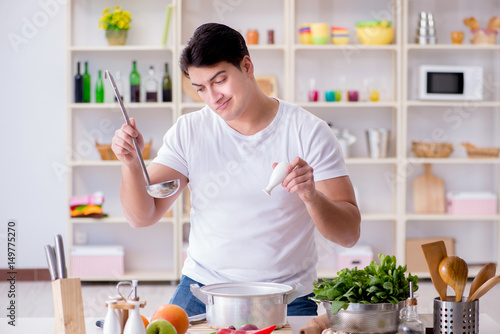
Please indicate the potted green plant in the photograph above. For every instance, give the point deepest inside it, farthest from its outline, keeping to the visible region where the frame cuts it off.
(116, 23)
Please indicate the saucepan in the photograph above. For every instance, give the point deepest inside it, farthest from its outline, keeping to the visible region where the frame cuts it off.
(241, 303)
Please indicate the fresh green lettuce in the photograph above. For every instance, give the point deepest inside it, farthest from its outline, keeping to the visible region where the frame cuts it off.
(376, 283)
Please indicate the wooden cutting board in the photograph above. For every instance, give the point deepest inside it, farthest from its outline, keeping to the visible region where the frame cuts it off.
(428, 193)
(203, 328)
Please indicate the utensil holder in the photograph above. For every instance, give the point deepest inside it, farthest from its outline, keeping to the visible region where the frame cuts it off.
(456, 317)
(68, 306)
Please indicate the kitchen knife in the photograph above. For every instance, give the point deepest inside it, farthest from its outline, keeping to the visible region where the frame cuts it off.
(61, 261)
(51, 261)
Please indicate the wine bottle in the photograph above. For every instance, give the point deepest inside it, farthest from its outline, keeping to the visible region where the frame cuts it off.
(151, 86)
(119, 85)
(99, 89)
(167, 85)
(135, 84)
(78, 84)
(86, 84)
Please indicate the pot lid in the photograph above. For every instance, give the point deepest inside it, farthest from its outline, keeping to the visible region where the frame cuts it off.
(246, 289)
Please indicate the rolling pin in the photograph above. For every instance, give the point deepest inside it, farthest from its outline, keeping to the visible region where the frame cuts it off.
(316, 325)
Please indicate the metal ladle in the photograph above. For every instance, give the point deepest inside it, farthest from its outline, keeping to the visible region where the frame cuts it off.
(158, 190)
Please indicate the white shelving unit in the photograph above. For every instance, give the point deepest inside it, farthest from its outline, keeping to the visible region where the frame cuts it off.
(383, 185)
(476, 237)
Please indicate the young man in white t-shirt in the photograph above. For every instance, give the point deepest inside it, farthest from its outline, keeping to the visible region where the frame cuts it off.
(225, 153)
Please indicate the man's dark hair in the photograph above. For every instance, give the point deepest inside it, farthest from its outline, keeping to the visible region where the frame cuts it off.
(212, 43)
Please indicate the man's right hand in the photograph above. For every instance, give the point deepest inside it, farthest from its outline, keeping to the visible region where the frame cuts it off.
(122, 143)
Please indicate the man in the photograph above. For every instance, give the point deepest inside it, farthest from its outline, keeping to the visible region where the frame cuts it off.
(226, 152)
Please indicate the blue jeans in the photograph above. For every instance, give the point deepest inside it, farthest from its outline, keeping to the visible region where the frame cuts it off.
(192, 305)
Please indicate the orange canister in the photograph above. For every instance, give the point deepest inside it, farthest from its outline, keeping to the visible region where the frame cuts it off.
(252, 36)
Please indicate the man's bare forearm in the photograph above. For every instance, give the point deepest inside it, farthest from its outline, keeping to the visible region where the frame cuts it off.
(338, 221)
(138, 206)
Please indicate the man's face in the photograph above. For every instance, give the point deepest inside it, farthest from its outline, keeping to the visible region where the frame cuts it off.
(223, 87)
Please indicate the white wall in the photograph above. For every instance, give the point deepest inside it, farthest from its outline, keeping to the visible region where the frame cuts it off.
(32, 109)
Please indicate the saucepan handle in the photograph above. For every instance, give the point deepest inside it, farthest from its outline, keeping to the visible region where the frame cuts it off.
(295, 293)
(195, 289)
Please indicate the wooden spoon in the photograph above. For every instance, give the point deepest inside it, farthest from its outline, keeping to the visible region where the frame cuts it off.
(485, 287)
(486, 272)
(454, 271)
(434, 253)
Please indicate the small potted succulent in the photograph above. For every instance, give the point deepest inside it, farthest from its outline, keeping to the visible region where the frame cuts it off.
(116, 23)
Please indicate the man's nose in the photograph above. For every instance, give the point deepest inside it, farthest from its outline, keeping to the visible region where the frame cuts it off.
(214, 96)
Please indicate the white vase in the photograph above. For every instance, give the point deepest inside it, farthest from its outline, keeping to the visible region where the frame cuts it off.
(112, 324)
(134, 324)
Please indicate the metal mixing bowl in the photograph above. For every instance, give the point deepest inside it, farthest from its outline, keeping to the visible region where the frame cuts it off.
(379, 318)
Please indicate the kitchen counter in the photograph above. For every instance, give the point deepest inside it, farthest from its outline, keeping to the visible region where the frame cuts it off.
(46, 325)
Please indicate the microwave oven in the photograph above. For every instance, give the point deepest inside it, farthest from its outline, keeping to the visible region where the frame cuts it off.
(450, 83)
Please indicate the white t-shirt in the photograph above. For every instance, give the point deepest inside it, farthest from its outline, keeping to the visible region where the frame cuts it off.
(238, 232)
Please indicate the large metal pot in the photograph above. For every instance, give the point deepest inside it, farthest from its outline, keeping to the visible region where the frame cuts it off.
(237, 304)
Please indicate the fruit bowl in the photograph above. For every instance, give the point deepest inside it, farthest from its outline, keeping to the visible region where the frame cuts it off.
(374, 32)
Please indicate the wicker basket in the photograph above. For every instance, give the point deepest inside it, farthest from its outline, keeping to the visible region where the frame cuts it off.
(431, 149)
(476, 152)
(107, 153)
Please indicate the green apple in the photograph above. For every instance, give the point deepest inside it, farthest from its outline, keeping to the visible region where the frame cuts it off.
(160, 326)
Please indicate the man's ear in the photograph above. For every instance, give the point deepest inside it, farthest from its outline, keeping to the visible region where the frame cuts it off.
(247, 65)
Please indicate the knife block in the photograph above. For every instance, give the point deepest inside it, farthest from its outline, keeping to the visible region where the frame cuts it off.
(68, 306)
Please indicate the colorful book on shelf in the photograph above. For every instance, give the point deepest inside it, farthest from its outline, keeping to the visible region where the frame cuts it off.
(166, 27)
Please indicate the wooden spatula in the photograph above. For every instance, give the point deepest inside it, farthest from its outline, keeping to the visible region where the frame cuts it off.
(485, 287)
(428, 193)
(486, 272)
(434, 253)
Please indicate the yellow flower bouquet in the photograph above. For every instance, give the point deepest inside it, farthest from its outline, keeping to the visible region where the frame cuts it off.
(116, 23)
(117, 19)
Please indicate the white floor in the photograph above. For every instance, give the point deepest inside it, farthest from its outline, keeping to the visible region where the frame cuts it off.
(34, 299)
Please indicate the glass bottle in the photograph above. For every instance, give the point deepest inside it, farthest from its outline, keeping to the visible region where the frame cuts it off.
(86, 84)
(119, 85)
(99, 89)
(151, 86)
(78, 84)
(135, 84)
(167, 85)
(409, 322)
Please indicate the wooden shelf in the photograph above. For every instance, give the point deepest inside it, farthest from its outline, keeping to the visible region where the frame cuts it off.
(114, 106)
(114, 220)
(332, 47)
(370, 161)
(447, 104)
(141, 275)
(120, 48)
(472, 161)
(454, 47)
(447, 217)
(342, 105)
(100, 163)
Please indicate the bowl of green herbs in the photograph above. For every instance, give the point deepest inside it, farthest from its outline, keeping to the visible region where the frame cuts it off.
(366, 300)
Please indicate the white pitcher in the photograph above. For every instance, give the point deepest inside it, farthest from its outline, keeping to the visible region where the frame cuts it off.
(134, 324)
